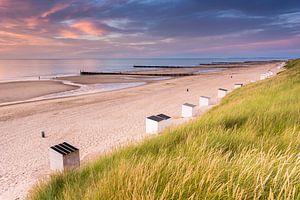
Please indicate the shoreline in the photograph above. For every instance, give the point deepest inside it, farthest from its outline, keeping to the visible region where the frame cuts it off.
(70, 86)
(24, 90)
(89, 84)
(79, 81)
(107, 120)
(78, 91)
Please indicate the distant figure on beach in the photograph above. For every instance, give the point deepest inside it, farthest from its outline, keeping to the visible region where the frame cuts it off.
(230, 76)
(187, 89)
(39, 78)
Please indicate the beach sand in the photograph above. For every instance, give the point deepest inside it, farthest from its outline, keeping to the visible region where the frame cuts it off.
(96, 123)
(23, 90)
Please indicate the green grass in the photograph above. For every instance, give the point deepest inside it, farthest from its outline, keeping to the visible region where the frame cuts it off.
(248, 147)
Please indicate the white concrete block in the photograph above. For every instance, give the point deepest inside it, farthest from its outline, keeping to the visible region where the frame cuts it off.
(188, 110)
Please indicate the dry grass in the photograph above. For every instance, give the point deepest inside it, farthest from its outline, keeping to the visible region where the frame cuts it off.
(248, 147)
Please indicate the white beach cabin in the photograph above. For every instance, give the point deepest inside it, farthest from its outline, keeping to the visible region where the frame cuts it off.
(270, 73)
(222, 92)
(238, 85)
(280, 66)
(204, 101)
(263, 76)
(64, 157)
(188, 110)
(167, 120)
(156, 123)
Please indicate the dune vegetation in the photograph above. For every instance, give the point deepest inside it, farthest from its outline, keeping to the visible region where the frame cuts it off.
(247, 147)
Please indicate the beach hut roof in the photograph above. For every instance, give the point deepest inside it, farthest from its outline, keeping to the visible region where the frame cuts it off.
(205, 97)
(190, 105)
(163, 116)
(155, 118)
(64, 148)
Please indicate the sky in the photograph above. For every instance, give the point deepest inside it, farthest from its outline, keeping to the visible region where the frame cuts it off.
(149, 28)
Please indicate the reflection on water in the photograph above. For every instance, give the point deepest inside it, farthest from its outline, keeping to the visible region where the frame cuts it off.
(15, 69)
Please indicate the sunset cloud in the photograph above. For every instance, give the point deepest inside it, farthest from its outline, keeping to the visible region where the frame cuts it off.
(69, 34)
(88, 28)
(32, 22)
(134, 28)
(3, 3)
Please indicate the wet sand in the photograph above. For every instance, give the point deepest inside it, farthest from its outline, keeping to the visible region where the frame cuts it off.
(23, 90)
(17, 92)
(97, 123)
(103, 79)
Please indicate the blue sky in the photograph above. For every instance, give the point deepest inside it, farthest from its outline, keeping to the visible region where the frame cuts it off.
(150, 28)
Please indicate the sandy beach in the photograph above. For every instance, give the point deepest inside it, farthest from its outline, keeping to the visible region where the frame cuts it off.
(22, 90)
(94, 123)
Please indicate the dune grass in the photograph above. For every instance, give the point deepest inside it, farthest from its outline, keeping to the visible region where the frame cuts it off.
(248, 147)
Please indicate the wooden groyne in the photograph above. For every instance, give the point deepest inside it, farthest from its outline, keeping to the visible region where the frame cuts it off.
(137, 74)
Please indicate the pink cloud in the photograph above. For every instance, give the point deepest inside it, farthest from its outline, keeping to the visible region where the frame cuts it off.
(3, 3)
(69, 34)
(88, 27)
(32, 22)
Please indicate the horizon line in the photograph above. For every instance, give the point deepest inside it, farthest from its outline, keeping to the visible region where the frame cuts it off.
(158, 58)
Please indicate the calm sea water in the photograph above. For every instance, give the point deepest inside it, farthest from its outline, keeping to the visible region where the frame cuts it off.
(27, 69)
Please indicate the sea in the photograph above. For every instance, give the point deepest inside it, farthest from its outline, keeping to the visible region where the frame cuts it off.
(27, 69)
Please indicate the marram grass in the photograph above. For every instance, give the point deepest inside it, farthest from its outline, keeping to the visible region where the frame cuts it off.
(248, 147)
